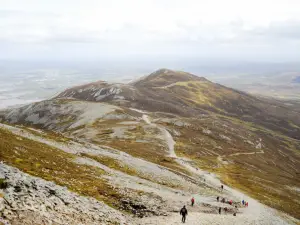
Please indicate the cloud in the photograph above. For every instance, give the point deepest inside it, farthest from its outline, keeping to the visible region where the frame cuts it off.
(191, 27)
(289, 30)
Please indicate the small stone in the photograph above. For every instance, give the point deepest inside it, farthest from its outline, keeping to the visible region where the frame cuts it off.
(18, 189)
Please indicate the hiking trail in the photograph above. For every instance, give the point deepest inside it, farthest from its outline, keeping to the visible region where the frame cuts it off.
(256, 213)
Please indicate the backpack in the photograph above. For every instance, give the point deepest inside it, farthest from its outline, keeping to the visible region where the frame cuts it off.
(183, 211)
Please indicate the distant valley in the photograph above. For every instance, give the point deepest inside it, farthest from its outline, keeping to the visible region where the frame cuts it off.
(278, 85)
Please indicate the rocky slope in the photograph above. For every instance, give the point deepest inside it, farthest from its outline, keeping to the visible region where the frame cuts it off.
(32, 200)
(143, 149)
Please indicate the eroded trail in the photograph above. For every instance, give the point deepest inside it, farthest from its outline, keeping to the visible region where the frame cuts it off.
(185, 162)
(256, 213)
(166, 134)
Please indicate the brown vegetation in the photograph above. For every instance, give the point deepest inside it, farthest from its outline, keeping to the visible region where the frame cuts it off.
(55, 165)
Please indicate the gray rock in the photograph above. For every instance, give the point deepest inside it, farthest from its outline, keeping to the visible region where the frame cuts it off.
(36, 201)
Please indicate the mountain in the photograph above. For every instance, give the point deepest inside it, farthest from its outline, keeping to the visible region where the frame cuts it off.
(146, 147)
(187, 95)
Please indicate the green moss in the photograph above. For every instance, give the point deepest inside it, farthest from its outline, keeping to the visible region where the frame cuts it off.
(18, 160)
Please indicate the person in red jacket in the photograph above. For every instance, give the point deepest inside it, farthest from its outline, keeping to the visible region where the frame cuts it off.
(193, 201)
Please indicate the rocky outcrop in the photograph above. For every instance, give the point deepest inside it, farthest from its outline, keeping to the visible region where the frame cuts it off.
(30, 200)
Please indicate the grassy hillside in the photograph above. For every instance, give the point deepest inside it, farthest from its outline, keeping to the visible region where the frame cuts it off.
(187, 95)
(52, 164)
(262, 163)
(251, 143)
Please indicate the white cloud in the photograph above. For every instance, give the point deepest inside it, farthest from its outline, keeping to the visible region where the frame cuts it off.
(142, 27)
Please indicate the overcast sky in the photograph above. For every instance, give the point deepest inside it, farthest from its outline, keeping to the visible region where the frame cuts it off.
(253, 30)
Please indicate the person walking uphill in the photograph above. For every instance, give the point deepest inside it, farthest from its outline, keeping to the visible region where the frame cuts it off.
(193, 201)
(183, 213)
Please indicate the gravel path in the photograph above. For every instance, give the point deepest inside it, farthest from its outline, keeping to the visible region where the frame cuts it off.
(173, 198)
(256, 213)
(212, 219)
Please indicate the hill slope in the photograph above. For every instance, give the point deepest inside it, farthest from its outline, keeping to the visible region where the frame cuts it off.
(150, 145)
(187, 95)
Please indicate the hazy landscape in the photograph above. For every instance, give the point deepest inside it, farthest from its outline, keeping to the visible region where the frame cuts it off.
(171, 122)
(153, 112)
(29, 82)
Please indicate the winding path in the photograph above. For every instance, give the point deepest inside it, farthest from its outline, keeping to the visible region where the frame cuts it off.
(256, 213)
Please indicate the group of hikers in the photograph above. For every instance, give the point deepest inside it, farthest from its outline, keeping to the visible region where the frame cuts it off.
(245, 203)
(184, 212)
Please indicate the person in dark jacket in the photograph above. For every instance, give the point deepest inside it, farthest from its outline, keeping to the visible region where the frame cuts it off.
(183, 213)
(225, 210)
(220, 210)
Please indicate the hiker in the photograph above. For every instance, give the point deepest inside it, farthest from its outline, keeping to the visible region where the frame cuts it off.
(222, 187)
(225, 209)
(220, 210)
(236, 209)
(193, 201)
(218, 198)
(223, 200)
(230, 202)
(247, 204)
(243, 202)
(183, 213)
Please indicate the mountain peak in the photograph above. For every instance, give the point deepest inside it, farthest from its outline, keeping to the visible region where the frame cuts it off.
(164, 77)
(165, 71)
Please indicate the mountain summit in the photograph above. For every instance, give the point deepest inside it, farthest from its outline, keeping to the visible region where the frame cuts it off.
(188, 95)
(164, 77)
